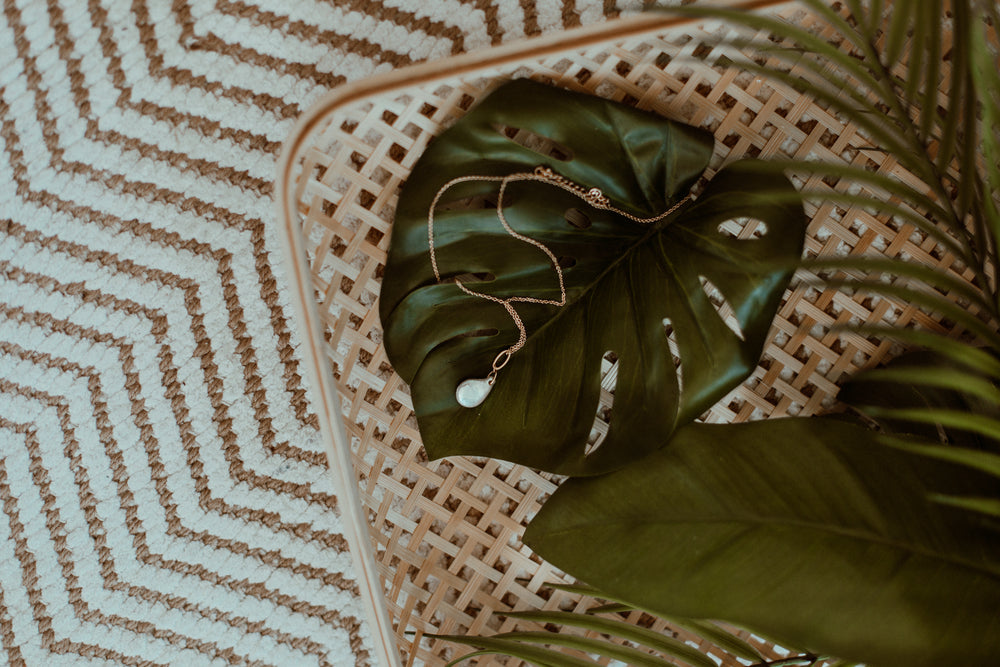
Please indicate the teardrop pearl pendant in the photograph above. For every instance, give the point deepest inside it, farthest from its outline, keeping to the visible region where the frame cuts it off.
(470, 393)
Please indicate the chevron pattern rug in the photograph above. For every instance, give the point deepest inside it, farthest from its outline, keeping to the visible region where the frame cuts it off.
(163, 486)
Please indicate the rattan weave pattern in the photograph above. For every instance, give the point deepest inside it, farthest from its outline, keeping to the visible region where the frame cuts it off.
(446, 533)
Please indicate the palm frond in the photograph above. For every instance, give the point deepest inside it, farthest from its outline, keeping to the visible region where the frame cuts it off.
(863, 72)
(578, 589)
(844, 28)
(950, 146)
(990, 506)
(981, 461)
(956, 350)
(929, 301)
(985, 78)
(986, 462)
(525, 644)
(840, 95)
(714, 634)
(958, 419)
(903, 11)
(928, 102)
(518, 644)
(534, 655)
(621, 630)
(914, 68)
(869, 72)
(874, 19)
(967, 185)
(899, 212)
(887, 184)
(902, 115)
(612, 608)
(942, 378)
(960, 93)
(919, 273)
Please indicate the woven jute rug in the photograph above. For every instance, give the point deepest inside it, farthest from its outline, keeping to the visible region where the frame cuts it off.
(164, 491)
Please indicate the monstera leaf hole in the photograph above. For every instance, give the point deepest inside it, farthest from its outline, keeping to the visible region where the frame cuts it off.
(476, 333)
(722, 306)
(577, 218)
(542, 145)
(479, 332)
(474, 203)
(746, 229)
(466, 277)
(605, 405)
(668, 329)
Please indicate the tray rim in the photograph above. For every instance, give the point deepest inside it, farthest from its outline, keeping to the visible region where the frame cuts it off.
(317, 371)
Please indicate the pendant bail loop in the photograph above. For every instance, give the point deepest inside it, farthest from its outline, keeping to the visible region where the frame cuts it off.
(501, 360)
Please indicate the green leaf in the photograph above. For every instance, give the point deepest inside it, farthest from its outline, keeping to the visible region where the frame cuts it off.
(804, 529)
(619, 630)
(628, 281)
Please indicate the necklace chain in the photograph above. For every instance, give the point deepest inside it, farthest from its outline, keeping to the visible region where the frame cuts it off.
(592, 196)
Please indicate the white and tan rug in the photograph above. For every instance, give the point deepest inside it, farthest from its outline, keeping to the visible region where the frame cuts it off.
(164, 492)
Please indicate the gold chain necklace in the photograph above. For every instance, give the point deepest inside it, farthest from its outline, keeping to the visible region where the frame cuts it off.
(473, 391)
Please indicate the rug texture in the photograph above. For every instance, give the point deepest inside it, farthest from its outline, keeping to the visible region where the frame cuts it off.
(163, 486)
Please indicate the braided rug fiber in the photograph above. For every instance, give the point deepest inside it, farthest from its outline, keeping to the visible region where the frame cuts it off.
(163, 486)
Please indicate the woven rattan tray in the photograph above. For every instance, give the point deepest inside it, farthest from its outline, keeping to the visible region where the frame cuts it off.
(437, 543)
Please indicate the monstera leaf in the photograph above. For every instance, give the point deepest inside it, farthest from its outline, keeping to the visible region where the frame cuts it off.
(809, 530)
(625, 281)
